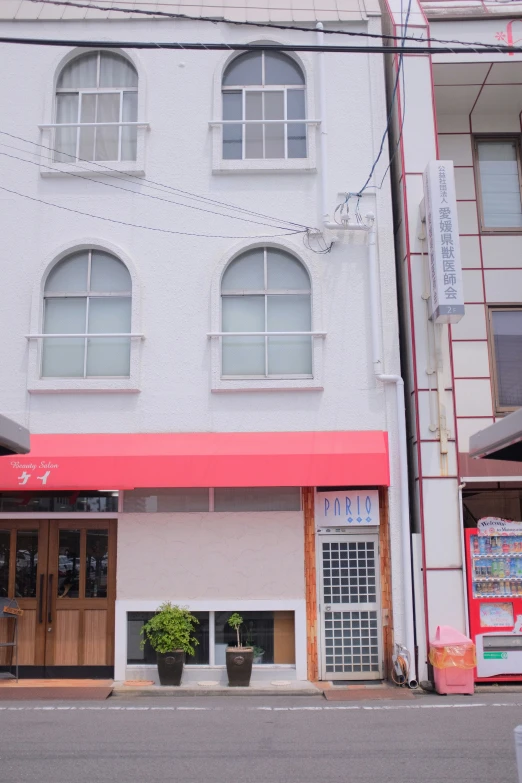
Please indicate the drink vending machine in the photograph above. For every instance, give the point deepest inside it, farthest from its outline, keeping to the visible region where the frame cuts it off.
(494, 574)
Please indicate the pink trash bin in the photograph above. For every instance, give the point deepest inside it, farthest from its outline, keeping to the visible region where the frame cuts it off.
(453, 658)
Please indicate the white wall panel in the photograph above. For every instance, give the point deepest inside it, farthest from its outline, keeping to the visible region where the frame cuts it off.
(505, 286)
(467, 214)
(426, 418)
(452, 123)
(441, 523)
(432, 459)
(211, 556)
(456, 147)
(468, 427)
(419, 130)
(446, 600)
(473, 285)
(502, 251)
(465, 183)
(473, 397)
(470, 360)
(470, 251)
(472, 326)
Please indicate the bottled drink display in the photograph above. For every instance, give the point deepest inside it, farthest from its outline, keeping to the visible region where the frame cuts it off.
(496, 566)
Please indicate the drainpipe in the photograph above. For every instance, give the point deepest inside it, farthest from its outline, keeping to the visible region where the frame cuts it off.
(325, 217)
(398, 384)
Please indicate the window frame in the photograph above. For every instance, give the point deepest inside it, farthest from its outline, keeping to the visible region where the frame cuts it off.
(312, 264)
(495, 138)
(77, 385)
(221, 165)
(80, 92)
(49, 167)
(499, 410)
(265, 293)
(87, 295)
(263, 88)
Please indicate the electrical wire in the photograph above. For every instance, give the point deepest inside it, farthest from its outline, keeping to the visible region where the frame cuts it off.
(162, 187)
(307, 233)
(465, 48)
(137, 225)
(392, 102)
(400, 68)
(110, 6)
(127, 190)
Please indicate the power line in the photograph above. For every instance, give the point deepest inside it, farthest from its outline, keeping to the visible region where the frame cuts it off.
(222, 47)
(222, 20)
(162, 186)
(147, 228)
(134, 192)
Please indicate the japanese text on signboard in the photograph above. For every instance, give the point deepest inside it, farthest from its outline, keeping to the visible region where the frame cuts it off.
(447, 299)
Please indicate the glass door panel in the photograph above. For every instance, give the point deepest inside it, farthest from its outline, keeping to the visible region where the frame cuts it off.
(68, 582)
(96, 563)
(26, 563)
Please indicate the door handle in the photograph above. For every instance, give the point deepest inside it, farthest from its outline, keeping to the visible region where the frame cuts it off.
(50, 599)
(40, 599)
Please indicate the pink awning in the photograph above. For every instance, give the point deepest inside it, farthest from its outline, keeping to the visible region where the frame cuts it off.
(199, 459)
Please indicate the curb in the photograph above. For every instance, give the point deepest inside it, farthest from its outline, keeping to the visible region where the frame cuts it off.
(177, 692)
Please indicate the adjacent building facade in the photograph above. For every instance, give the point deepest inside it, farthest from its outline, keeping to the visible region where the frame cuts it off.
(208, 362)
(463, 108)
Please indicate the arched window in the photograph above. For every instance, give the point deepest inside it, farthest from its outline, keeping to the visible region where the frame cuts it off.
(87, 293)
(264, 90)
(266, 290)
(96, 94)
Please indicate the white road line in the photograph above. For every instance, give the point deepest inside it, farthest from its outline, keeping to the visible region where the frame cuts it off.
(263, 708)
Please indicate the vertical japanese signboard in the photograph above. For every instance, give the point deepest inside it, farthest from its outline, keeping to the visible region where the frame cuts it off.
(447, 295)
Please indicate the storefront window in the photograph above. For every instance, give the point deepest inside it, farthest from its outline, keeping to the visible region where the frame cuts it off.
(84, 501)
(135, 622)
(271, 634)
(257, 499)
(180, 499)
(159, 500)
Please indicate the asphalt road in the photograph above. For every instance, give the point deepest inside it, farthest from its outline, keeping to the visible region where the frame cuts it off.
(257, 740)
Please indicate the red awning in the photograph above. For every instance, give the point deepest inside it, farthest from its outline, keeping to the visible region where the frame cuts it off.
(201, 459)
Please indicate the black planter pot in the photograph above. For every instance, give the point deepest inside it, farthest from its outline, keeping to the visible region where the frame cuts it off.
(170, 667)
(239, 666)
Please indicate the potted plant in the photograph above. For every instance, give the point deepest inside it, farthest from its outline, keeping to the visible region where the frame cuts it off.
(171, 634)
(239, 658)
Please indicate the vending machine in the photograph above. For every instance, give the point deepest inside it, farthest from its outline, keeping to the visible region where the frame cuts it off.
(494, 573)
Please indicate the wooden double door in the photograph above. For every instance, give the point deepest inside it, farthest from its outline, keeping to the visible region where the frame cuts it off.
(62, 573)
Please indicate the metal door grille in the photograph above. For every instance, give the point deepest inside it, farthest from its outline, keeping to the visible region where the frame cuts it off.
(351, 642)
(350, 603)
(349, 572)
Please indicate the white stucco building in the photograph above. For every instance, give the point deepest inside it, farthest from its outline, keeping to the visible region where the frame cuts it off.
(465, 108)
(211, 369)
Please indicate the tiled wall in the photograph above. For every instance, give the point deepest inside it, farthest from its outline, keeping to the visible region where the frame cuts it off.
(492, 274)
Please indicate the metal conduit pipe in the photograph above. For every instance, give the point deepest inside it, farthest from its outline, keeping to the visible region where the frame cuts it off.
(323, 128)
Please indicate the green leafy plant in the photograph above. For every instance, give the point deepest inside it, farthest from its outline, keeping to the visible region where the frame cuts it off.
(236, 621)
(171, 628)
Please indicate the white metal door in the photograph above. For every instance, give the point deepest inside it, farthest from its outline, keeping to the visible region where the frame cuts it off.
(350, 607)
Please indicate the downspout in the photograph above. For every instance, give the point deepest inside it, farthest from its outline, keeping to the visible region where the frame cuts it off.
(398, 384)
(324, 217)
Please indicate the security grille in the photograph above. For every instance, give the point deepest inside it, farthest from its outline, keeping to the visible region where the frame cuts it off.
(350, 607)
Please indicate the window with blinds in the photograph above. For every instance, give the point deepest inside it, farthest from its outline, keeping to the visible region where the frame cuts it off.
(498, 168)
(506, 344)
